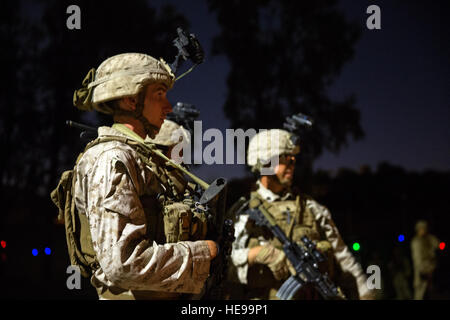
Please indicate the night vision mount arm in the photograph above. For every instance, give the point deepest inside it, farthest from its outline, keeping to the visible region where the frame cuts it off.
(295, 123)
(188, 48)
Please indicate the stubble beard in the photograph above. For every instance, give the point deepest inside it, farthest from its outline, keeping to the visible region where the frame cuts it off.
(284, 182)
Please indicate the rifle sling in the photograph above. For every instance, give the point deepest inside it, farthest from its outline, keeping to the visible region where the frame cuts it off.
(298, 213)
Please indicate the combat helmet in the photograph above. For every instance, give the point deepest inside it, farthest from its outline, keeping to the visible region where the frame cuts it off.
(170, 134)
(120, 76)
(268, 144)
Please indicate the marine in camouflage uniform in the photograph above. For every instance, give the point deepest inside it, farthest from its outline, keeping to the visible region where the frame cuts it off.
(169, 135)
(145, 241)
(423, 252)
(260, 263)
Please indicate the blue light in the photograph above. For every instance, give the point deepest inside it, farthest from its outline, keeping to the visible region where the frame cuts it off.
(34, 252)
(401, 238)
(47, 251)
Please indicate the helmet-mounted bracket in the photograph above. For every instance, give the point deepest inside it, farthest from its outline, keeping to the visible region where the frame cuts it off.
(188, 48)
(294, 125)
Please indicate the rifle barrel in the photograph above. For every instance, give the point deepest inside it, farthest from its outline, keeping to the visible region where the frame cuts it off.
(81, 126)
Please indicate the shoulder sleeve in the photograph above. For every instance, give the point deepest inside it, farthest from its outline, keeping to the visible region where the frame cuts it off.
(239, 254)
(343, 256)
(118, 228)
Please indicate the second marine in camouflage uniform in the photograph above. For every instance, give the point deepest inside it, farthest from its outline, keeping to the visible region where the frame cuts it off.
(260, 263)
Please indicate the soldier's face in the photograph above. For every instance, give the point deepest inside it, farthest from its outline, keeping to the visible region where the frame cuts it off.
(421, 232)
(284, 171)
(156, 105)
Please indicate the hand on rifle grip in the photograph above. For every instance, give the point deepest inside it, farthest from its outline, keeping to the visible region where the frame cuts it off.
(276, 260)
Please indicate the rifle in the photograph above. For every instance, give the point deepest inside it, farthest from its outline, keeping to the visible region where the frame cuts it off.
(184, 114)
(211, 203)
(91, 132)
(304, 260)
(221, 230)
(87, 133)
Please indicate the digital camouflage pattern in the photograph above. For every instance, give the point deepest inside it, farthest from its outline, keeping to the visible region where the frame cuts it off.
(118, 194)
(120, 76)
(268, 144)
(170, 134)
(316, 223)
(276, 260)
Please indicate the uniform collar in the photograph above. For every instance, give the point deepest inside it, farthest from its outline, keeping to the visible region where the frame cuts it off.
(270, 196)
(108, 131)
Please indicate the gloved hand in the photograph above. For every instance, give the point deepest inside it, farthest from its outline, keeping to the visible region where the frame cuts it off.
(276, 260)
(323, 246)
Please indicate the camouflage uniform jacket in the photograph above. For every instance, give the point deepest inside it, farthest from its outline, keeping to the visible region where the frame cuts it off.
(322, 216)
(423, 252)
(111, 182)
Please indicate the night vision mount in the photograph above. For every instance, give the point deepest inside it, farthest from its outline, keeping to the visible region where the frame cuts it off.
(188, 48)
(295, 123)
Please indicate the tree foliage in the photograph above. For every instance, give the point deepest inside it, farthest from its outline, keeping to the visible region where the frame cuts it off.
(284, 55)
(44, 62)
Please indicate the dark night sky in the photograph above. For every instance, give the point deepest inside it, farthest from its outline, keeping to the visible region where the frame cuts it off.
(400, 75)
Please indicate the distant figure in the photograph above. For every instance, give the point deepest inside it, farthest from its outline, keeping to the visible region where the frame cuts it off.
(423, 247)
(258, 256)
(400, 268)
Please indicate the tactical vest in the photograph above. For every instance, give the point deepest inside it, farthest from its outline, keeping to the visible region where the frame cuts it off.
(296, 220)
(166, 206)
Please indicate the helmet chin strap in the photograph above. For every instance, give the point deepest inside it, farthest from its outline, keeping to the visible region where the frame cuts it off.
(150, 129)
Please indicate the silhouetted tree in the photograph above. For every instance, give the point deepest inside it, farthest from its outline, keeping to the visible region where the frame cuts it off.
(44, 62)
(18, 55)
(106, 30)
(283, 56)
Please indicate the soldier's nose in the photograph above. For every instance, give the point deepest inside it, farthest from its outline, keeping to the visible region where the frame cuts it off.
(168, 108)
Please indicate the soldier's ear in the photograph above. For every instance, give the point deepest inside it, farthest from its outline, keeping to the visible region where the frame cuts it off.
(128, 103)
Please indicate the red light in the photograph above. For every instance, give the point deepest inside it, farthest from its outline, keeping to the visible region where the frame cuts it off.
(3, 244)
(442, 245)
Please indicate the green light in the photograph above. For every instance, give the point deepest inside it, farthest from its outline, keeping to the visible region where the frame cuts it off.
(356, 246)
